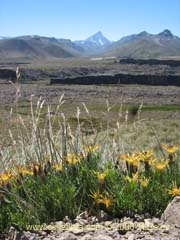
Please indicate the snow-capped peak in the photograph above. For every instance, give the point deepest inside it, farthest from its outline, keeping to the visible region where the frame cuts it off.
(98, 39)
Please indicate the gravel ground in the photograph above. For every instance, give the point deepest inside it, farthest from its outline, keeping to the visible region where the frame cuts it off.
(150, 95)
(149, 229)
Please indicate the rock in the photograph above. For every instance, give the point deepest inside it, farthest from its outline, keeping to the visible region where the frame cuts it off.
(66, 219)
(87, 237)
(102, 237)
(67, 236)
(93, 220)
(77, 229)
(83, 215)
(42, 233)
(12, 233)
(103, 216)
(107, 223)
(139, 218)
(81, 221)
(171, 215)
(8, 74)
(156, 221)
(131, 237)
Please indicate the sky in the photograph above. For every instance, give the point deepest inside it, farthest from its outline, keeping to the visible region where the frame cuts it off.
(79, 19)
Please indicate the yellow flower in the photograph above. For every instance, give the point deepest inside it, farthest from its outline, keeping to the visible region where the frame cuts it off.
(5, 177)
(170, 149)
(25, 171)
(73, 159)
(160, 166)
(134, 178)
(101, 176)
(152, 161)
(59, 167)
(175, 191)
(144, 181)
(91, 148)
(131, 159)
(96, 196)
(146, 155)
(99, 198)
(35, 166)
(106, 201)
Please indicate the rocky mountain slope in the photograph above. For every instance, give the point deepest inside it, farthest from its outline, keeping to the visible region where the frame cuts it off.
(36, 47)
(140, 46)
(145, 45)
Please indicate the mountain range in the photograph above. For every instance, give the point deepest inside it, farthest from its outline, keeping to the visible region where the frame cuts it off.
(141, 45)
(94, 44)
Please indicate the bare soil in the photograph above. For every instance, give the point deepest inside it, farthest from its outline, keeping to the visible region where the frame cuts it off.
(93, 94)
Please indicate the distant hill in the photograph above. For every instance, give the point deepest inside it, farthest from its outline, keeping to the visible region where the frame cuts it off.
(140, 46)
(36, 47)
(145, 45)
(94, 44)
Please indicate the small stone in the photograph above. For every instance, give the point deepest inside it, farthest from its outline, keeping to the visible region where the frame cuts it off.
(148, 225)
(87, 237)
(81, 221)
(93, 220)
(114, 234)
(116, 220)
(131, 237)
(147, 215)
(67, 236)
(107, 223)
(83, 215)
(156, 221)
(166, 231)
(139, 218)
(102, 237)
(59, 223)
(66, 219)
(140, 236)
(103, 216)
(126, 219)
(77, 229)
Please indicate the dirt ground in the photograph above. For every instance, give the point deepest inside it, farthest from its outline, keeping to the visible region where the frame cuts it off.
(93, 94)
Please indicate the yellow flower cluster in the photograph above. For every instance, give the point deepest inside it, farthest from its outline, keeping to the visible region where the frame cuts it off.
(99, 198)
(131, 159)
(161, 166)
(136, 158)
(148, 159)
(137, 178)
(73, 159)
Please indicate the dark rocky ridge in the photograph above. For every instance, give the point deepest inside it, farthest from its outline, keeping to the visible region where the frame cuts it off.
(173, 63)
(161, 80)
(7, 74)
(125, 71)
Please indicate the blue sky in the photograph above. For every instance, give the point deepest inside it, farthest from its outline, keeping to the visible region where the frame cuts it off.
(78, 19)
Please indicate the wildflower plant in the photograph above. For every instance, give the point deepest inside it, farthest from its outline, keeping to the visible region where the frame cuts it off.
(51, 173)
